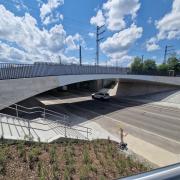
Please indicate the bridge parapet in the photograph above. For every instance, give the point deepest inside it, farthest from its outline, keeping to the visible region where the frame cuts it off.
(17, 71)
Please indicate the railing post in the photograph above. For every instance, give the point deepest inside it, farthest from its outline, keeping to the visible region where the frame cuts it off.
(65, 131)
(44, 113)
(87, 133)
(17, 110)
(2, 129)
(29, 128)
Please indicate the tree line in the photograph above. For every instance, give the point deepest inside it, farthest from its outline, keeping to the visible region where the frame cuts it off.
(149, 67)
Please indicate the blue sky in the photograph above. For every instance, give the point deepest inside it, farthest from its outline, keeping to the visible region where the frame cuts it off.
(50, 30)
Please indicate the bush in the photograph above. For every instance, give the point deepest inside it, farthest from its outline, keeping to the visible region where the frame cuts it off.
(33, 156)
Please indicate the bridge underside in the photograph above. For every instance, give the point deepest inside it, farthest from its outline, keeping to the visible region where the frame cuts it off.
(16, 90)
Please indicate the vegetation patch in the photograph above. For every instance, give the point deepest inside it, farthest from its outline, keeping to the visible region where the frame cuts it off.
(66, 159)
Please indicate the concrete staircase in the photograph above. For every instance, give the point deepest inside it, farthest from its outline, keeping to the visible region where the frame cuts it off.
(39, 129)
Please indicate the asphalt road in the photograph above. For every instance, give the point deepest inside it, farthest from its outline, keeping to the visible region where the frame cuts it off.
(158, 120)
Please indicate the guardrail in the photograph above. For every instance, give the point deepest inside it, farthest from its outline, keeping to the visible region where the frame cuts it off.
(17, 71)
(168, 172)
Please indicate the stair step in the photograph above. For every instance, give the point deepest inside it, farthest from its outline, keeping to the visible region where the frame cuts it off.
(43, 129)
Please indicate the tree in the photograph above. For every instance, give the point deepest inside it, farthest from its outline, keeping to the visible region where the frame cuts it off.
(162, 69)
(173, 64)
(149, 67)
(137, 66)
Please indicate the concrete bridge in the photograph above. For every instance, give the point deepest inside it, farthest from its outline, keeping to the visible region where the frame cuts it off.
(19, 82)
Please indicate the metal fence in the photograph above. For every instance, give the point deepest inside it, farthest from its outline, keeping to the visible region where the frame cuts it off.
(16, 71)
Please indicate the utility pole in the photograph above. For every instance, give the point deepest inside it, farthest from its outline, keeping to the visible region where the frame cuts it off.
(80, 56)
(98, 39)
(60, 60)
(168, 51)
(142, 58)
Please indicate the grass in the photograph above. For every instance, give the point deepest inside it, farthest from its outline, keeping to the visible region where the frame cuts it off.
(66, 160)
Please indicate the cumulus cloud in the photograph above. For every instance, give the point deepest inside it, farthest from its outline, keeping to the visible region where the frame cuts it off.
(117, 46)
(151, 44)
(73, 42)
(98, 20)
(46, 10)
(169, 25)
(116, 10)
(22, 40)
(52, 19)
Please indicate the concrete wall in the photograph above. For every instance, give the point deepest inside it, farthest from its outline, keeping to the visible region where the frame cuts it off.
(126, 89)
(15, 90)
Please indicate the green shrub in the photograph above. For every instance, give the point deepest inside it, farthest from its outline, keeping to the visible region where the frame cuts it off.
(33, 156)
(41, 171)
(53, 155)
(22, 150)
(86, 157)
(55, 171)
(66, 174)
(84, 172)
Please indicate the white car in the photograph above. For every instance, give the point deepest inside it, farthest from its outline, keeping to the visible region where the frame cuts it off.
(101, 95)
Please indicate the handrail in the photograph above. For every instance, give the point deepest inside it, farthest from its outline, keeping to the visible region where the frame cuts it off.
(45, 130)
(168, 172)
(35, 107)
(43, 110)
(33, 112)
(59, 125)
(65, 116)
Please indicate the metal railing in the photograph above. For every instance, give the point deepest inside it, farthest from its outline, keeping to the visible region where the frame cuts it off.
(45, 114)
(32, 129)
(17, 71)
(168, 172)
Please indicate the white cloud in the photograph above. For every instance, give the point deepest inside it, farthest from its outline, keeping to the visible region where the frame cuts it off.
(98, 20)
(116, 10)
(22, 40)
(117, 46)
(169, 25)
(149, 21)
(151, 44)
(46, 9)
(52, 19)
(60, 16)
(92, 35)
(125, 61)
(73, 42)
(178, 52)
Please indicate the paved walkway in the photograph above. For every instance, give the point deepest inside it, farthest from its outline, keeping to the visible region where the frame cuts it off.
(152, 153)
